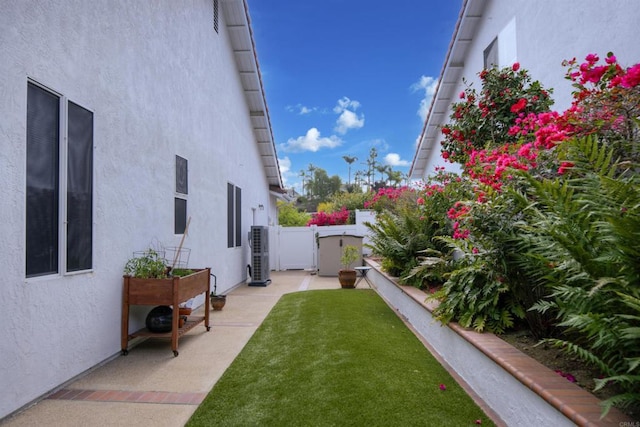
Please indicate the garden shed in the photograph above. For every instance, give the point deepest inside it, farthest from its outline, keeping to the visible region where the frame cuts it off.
(330, 250)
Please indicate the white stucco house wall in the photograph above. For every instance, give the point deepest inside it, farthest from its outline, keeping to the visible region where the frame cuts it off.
(537, 34)
(119, 120)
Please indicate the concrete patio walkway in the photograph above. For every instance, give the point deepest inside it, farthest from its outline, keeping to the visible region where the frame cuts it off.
(151, 387)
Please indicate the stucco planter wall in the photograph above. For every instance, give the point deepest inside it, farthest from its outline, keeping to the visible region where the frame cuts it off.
(517, 388)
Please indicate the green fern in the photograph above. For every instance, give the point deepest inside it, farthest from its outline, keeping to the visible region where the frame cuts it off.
(581, 241)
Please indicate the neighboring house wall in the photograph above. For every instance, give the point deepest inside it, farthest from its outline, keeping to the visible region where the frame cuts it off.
(160, 82)
(539, 35)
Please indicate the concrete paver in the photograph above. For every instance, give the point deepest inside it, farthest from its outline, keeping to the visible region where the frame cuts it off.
(119, 393)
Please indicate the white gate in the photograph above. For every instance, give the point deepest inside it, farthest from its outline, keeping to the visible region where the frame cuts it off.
(294, 248)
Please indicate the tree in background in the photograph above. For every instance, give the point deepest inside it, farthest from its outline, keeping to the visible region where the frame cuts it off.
(371, 168)
(349, 160)
(290, 216)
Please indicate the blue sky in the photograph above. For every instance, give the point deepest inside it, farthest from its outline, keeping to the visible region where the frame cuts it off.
(343, 76)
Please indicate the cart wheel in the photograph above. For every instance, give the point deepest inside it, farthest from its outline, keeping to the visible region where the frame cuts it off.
(208, 328)
(175, 353)
(125, 352)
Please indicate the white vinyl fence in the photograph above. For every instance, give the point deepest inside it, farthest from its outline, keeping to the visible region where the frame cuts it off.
(296, 248)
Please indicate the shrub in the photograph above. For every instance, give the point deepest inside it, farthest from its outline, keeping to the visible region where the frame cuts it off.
(391, 199)
(334, 218)
(586, 227)
(399, 239)
(290, 216)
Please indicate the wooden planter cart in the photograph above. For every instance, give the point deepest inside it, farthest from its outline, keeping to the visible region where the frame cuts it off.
(171, 291)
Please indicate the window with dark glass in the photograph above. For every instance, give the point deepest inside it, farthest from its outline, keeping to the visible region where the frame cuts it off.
(47, 193)
(79, 188)
(215, 15)
(180, 222)
(182, 175)
(234, 216)
(182, 189)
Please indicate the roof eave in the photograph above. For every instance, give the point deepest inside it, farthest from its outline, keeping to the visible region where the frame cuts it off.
(450, 76)
(236, 13)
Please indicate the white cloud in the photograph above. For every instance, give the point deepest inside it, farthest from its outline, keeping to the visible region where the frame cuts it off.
(285, 165)
(429, 86)
(312, 141)
(300, 109)
(345, 103)
(288, 176)
(348, 118)
(393, 159)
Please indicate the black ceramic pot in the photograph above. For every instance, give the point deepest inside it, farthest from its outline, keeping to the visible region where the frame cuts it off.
(159, 319)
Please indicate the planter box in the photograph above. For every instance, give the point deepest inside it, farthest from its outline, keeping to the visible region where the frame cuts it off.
(170, 291)
(518, 389)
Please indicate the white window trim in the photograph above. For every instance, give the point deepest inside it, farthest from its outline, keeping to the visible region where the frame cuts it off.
(63, 153)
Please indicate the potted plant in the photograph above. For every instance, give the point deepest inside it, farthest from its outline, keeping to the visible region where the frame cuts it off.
(347, 275)
(148, 265)
(149, 281)
(217, 301)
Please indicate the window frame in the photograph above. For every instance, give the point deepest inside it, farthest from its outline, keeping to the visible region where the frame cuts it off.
(62, 197)
(234, 216)
(491, 53)
(181, 195)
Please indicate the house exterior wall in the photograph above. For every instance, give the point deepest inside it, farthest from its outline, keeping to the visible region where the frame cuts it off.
(540, 35)
(160, 82)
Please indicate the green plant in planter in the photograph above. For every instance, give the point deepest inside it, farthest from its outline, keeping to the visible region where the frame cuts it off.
(148, 266)
(181, 272)
(350, 254)
(347, 275)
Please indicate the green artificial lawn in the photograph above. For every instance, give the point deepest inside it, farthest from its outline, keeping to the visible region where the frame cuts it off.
(336, 358)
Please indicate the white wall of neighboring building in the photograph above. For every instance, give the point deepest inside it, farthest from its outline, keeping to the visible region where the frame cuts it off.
(539, 35)
(160, 82)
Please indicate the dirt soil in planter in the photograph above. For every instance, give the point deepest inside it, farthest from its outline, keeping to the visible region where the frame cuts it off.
(567, 364)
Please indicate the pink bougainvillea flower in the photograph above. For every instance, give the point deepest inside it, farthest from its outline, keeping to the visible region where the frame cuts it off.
(566, 375)
(564, 166)
(632, 78)
(592, 58)
(516, 66)
(420, 201)
(461, 96)
(443, 387)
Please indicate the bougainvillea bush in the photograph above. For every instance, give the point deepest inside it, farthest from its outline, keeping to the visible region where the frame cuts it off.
(483, 120)
(340, 217)
(548, 227)
(408, 224)
(391, 199)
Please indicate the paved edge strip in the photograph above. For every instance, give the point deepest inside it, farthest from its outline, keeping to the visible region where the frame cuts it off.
(305, 284)
(162, 397)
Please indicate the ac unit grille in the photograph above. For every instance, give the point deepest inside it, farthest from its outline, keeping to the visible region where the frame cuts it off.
(260, 256)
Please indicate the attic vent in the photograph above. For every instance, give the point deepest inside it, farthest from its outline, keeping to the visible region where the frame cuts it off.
(215, 15)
